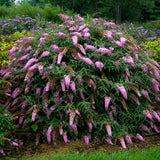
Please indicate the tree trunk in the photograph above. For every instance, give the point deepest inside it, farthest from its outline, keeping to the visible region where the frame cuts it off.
(118, 14)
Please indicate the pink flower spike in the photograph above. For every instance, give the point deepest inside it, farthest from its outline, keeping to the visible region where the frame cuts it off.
(155, 85)
(73, 28)
(44, 54)
(86, 35)
(65, 137)
(49, 133)
(69, 22)
(122, 90)
(73, 87)
(145, 128)
(86, 140)
(62, 35)
(34, 113)
(63, 85)
(44, 34)
(108, 128)
(78, 18)
(38, 91)
(121, 139)
(67, 80)
(99, 65)
(108, 140)
(77, 112)
(144, 68)
(156, 116)
(90, 126)
(78, 34)
(54, 47)
(145, 93)
(108, 34)
(5, 114)
(42, 41)
(60, 55)
(129, 60)
(107, 101)
(81, 49)
(63, 16)
(75, 40)
(90, 47)
(71, 117)
(128, 139)
(30, 62)
(147, 114)
(140, 137)
(82, 27)
(88, 61)
(61, 131)
(2, 152)
(15, 144)
(104, 51)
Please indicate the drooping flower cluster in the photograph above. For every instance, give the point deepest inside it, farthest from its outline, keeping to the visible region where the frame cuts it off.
(83, 79)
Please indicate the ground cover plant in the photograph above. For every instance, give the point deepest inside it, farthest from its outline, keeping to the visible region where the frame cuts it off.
(82, 79)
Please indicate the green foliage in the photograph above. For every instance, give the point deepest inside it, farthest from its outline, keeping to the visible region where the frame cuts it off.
(47, 11)
(154, 48)
(7, 42)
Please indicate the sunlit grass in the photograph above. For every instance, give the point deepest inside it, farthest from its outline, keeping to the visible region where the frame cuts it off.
(143, 154)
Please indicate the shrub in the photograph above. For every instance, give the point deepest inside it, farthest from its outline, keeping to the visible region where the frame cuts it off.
(83, 79)
(154, 48)
(6, 129)
(7, 42)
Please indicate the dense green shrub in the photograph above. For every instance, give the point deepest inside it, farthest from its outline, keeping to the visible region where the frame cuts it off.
(83, 79)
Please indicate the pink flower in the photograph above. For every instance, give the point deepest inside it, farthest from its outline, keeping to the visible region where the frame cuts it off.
(34, 113)
(99, 65)
(90, 47)
(30, 62)
(110, 24)
(2, 152)
(145, 128)
(49, 133)
(139, 137)
(81, 93)
(147, 114)
(69, 22)
(55, 47)
(27, 49)
(93, 84)
(108, 34)
(74, 127)
(78, 34)
(81, 49)
(15, 144)
(40, 69)
(127, 72)
(82, 27)
(79, 79)
(78, 18)
(44, 54)
(128, 139)
(88, 61)
(65, 137)
(16, 92)
(73, 88)
(71, 117)
(38, 91)
(63, 16)
(14, 49)
(86, 140)
(60, 55)
(113, 109)
(107, 101)
(144, 68)
(67, 80)
(154, 127)
(63, 85)
(44, 34)
(73, 28)
(129, 60)
(46, 89)
(62, 35)
(122, 90)
(108, 128)
(104, 51)
(75, 40)
(136, 56)
(108, 140)
(86, 35)
(121, 139)
(42, 41)
(117, 63)
(145, 93)
(156, 116)
(90, 126)
(155, 85)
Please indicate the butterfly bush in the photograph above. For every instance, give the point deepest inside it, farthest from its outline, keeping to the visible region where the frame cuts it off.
(83, 79)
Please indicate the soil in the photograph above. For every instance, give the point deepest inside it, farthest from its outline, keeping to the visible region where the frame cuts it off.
(78, 146)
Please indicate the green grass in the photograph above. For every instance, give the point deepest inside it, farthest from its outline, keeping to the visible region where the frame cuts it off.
(142, 154)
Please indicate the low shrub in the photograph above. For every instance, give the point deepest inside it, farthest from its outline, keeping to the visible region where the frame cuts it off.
(7, 42)
(83, 79)
(154, 48)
